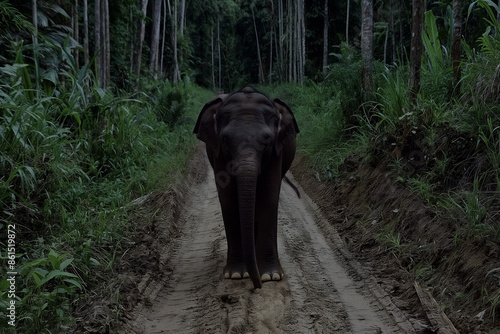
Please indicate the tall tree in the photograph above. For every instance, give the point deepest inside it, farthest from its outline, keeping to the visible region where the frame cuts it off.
(281, 37)
(347, 22)
(261, 69)
(86, 31)
(416, 48)
(213, 59)
(182, 22)
(367, 44)
(34, 13)
(155, 39)
(173, 14)
(107, 44)
(456, 48)
(393, 31)
(325, 38)
(219, 55)
(98, 39)
(75, 28)
(162, 52)
(302, 40)
(270, 9)
(141, 27)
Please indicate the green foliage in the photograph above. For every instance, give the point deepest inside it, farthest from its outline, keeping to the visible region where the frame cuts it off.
(171, 106)
(393, 98)
(46, 288)
(344, 78)
(433, 48)
(73, 155)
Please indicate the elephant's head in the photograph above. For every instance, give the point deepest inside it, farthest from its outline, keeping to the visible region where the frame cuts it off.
(247, 132)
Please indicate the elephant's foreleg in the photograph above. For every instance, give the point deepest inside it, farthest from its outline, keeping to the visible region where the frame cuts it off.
(235, 267)
(267, 232)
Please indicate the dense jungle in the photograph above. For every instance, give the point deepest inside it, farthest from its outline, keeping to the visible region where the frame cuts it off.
(109, 218)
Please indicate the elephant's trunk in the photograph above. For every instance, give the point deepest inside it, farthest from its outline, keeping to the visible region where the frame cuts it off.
(247, 187)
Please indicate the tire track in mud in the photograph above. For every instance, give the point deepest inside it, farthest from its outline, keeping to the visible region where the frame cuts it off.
(315, 296)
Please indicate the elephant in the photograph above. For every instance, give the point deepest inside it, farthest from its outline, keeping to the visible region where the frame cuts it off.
(250, 143)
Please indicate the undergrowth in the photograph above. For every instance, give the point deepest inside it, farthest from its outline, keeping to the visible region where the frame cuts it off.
(445, 148)
(73, 155)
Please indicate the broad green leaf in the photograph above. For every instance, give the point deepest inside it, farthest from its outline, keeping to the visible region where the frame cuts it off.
(74, 283)
(56, 273)
(65, 263)
(54, 259)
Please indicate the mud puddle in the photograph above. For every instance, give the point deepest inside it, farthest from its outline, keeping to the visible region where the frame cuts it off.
(324, 290)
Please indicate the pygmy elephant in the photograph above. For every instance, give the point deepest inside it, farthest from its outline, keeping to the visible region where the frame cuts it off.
(250, 142)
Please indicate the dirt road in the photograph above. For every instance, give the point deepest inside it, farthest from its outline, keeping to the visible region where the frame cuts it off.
(324, 290)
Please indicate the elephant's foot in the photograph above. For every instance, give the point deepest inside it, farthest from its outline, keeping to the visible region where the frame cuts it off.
(235, 271)
(271, 272)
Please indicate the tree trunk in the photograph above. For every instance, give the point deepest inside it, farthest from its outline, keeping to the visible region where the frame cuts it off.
(183, 17)
(325, 38)
(141, 27)
(295, 43)
(393, 33)
(76, 30)
(213, 61)
(302, 45)
(403, 53)
(280, 40)
(163, 36)
(386, 41)
(107, 45)
(456, 49)
(261, 70)
(416, 48)
(347, 22)
(367, 44)
(270, 8)
(219, 56)
(155, 39)
(34, 13)
(271, 57)
(175, 25)
(291, 38)
(97, 39)
(86, 31)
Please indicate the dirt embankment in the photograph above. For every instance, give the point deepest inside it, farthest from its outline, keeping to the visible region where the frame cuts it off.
(400, 241)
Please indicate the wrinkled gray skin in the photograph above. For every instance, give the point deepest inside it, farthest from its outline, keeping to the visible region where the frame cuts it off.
(250, 142)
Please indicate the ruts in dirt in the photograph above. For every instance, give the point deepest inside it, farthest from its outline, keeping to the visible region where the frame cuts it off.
(317, 295)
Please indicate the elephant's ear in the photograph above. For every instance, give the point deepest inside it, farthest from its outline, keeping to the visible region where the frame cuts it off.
(287, 128)
(206, 127)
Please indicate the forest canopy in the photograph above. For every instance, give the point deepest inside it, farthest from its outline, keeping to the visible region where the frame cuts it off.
(222, 44)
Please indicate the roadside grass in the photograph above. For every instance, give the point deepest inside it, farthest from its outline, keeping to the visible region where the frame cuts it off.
(73, 156)
(445, 148)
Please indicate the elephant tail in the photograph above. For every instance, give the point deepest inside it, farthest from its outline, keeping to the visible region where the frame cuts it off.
(292, 185)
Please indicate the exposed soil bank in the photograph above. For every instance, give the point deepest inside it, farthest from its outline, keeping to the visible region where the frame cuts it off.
(399, 240)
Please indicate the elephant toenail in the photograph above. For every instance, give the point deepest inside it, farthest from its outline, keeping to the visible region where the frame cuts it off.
(266, 277)
(226, 275)
(236, 276)
(276, 277)
(246, 275)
